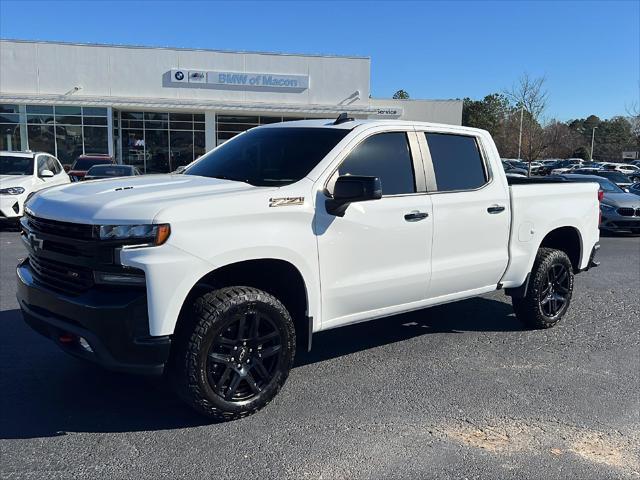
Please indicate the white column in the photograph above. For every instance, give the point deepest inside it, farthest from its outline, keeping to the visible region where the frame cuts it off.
(24, 141)
(110, 131)
(209, 130)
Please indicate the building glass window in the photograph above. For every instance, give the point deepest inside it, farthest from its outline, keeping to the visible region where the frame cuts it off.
(133, 148)
(96, 140)
(65, 131)
(159, 142)
(9, 127)
(41, 138)
(228, 126)
(69, 140)
(157, 151)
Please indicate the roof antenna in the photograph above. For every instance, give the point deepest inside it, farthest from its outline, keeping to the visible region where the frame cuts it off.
(343, 118)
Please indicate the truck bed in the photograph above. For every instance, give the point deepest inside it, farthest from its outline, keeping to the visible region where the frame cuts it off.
(541, 205)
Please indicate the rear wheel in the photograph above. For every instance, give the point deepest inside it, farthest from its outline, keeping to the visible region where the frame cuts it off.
(237, 354)
(549, 292)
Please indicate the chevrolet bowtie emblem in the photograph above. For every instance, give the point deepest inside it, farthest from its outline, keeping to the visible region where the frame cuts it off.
(35, 242)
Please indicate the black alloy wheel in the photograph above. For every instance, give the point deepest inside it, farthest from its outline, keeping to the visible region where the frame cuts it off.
(233, 353)
(244, 357)
(554, 294)
(549, 291)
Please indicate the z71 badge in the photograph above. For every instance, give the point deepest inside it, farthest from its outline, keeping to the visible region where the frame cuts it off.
(285, 201)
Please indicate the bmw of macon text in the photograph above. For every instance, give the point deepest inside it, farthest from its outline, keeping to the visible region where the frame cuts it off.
(214, 276)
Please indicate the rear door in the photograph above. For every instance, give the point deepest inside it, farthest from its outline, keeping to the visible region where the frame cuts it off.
(471, 214)
(376, 257)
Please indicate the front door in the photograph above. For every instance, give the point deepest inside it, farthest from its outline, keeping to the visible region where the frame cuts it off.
(376, 258)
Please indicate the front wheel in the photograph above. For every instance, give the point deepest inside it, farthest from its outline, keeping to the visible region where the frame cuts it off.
(237, 353)
(549, 292)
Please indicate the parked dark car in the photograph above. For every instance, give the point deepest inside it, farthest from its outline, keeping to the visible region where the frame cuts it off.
(620, 179)
(620, 211)
(509, 168)
(109, 171)
(84, 162)
(547, 167)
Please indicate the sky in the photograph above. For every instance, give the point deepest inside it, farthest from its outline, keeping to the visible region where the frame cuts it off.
(588, 51)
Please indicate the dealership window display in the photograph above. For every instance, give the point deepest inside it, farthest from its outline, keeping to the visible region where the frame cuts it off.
(9, 127)
(64, 131)
(158, 142)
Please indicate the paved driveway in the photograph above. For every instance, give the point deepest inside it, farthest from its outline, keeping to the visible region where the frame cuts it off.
(457, 391)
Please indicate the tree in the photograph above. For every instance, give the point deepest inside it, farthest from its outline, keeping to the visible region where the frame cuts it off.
(488, 113)
(401, 95)
(560, 140)
(530, 98)
(611, 137)
(581, 152)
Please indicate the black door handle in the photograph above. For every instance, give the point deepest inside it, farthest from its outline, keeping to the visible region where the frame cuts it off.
(496, 208)
(415, 216)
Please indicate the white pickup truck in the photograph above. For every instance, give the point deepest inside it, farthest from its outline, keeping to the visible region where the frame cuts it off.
(214, 275)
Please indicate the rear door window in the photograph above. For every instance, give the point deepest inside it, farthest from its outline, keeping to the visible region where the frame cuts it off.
(457, 162)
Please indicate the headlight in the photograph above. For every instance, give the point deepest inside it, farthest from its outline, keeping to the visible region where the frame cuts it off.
(148, 234)
(607, 208)
(12, 191)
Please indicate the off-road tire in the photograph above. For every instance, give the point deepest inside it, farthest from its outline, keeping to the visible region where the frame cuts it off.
(530, 309)
(209, 319)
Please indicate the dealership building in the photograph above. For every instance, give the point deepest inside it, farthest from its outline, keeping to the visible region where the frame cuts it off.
(159, 108)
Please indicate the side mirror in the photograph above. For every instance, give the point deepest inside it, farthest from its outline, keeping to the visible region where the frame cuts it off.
(67, 168)
(352, 188)
(45, 174)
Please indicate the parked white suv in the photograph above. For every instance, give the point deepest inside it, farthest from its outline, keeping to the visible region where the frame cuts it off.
(215, 274)
(22, 173)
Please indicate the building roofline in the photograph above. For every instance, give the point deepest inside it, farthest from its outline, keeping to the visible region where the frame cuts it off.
(181, 104)
(184, 49)
(417, 99)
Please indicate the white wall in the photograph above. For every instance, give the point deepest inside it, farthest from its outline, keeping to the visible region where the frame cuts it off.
(438, 111)
(42, 68)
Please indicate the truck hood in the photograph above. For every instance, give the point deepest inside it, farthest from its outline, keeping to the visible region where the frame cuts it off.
(628, 200)
(128, 200)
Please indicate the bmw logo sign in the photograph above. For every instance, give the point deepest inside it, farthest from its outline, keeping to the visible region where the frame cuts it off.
(179, 75)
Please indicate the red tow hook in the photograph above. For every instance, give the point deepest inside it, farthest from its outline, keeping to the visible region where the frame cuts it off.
(67, 338)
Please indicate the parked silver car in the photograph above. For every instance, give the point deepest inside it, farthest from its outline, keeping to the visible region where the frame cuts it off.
(620, 210)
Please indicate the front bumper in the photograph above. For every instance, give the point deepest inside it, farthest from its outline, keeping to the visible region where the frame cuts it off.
(11, 206)
(113, 324)
(618, 223)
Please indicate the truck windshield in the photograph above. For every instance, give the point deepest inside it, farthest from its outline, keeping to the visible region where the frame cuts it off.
(272, 156)
(10, 165)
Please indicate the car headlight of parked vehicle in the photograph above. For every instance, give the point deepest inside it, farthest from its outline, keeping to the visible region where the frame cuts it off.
(607, 208)
(149, 235)
(12, 191)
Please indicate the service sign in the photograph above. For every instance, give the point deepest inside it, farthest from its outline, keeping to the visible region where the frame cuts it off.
(238, 80)
(388, 112)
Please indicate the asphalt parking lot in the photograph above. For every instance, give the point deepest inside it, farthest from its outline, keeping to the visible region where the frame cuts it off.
(457, 391)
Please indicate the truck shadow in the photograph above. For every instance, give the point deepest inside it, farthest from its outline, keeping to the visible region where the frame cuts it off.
(45, 393)
(473, 315)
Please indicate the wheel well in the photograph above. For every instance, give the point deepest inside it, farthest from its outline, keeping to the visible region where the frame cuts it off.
(566, 239)
(277, 277)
